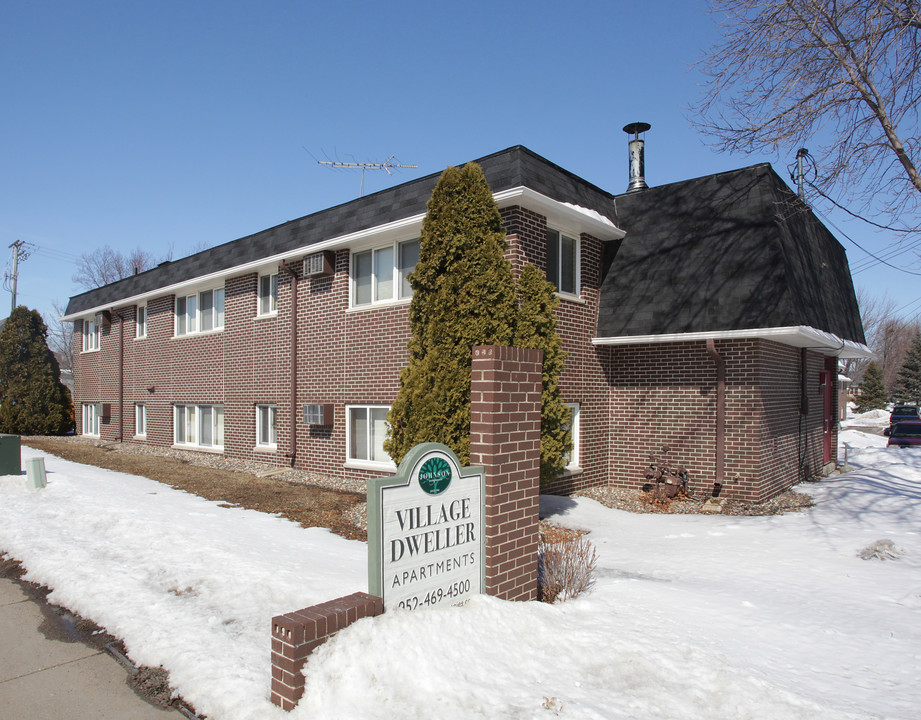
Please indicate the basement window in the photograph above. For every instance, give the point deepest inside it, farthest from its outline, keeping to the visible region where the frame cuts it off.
(381, 275)
(563, 262)
(140, 420)
(199, 426)
(366, 431)
(572, 459)
(266, 433)
(92, 414)
(200, 313)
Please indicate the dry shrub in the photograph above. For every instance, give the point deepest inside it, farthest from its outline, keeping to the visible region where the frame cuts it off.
(565, 567)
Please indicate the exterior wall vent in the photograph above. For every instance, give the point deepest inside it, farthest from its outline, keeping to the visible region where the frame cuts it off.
(319, 264)
(318, 414)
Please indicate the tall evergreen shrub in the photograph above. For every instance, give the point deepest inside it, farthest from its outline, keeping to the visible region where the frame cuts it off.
(908, 381)
(464, 294)
(33, 400)
(873, 395)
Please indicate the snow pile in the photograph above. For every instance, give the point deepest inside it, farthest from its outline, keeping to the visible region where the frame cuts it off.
(691, 616)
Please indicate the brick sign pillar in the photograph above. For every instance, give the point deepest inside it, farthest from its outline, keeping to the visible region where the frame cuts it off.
(505, 399)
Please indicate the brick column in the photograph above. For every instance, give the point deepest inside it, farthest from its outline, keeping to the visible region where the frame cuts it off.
(505, 399)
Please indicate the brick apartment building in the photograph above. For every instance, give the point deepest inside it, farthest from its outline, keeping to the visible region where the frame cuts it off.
(706, 316)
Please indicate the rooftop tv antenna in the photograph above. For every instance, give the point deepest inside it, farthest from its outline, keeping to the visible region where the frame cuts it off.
(386, 165)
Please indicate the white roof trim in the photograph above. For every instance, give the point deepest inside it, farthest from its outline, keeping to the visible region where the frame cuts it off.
(799, 336)
(570, 216)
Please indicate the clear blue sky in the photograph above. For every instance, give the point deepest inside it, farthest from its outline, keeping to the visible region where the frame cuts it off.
(173, 125)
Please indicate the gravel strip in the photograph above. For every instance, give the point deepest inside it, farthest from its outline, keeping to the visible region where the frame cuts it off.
(633, 500)
(219, 461)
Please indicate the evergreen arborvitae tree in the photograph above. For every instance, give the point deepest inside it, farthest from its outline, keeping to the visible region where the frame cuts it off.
(33, 400)
(908, 382)
(536, 328)
(463, 295)
(873, 395)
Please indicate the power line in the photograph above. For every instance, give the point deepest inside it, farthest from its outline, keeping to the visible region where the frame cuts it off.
(860, 247)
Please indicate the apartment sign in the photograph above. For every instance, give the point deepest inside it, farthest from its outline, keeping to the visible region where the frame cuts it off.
(426, 544)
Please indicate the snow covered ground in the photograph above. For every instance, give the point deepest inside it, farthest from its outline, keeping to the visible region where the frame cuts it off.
(704, 617)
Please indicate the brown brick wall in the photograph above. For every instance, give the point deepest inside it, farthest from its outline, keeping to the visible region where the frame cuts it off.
(665, 396)
(632, 399)
(297, 634)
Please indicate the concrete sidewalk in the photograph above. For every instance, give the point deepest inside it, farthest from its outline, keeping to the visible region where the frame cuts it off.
(53, 679)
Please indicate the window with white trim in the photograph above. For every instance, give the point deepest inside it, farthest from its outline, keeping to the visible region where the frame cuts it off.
(572, 458)
(268, 294)
(92, 414)
(266, 433)
(141, 321)
(200, 313)
(140, 419)
(90, 335)
(381, 275)
(563, 261)
(366, 430)
(199, 426)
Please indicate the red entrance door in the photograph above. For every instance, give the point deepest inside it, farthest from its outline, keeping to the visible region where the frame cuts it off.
(828, 406)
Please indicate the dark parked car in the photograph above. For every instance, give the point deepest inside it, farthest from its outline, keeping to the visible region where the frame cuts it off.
(905, 434)
(904, 412)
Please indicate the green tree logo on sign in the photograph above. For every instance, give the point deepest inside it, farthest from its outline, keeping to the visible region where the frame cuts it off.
(435, 476)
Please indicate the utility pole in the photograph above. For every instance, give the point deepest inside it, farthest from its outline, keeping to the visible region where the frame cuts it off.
(14, 274)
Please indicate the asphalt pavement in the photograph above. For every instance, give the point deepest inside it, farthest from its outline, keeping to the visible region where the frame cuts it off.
(47, 673)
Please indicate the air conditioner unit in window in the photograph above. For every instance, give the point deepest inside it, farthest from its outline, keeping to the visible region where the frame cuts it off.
(318, 414)
(319, 264)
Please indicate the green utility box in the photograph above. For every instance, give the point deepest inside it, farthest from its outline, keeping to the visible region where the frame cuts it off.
(10, 457)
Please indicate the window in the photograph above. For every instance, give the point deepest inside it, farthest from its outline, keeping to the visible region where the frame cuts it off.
(199, 425)
(382, 275)
(366, 431)
(90, 335)
(140, 419)
(572, 459)
(92, 413)
(142, 321)
(266, 435)
(563, 262)
(200, 313)
(268, 294)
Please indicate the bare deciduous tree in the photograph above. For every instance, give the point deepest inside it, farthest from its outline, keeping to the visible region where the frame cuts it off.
(843, 73)
(61, 336)
(104, 265)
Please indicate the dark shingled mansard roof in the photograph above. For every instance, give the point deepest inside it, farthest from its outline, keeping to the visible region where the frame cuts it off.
(725, 252)
(515, 167)
(732, 251)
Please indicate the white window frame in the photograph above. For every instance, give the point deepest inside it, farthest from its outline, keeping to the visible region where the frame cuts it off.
(140, 420)
(141, 321)
(371, 449)
(91, 335)
(398, 277)
(269, 413)
(556, 277)
(189, 317)
(193, 427)
(574, 460)
(92, 417)
(267, 295)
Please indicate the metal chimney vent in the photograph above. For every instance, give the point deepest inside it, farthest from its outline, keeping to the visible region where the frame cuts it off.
(637, 156)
